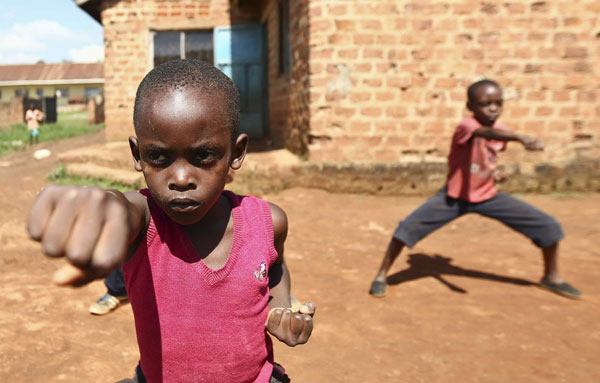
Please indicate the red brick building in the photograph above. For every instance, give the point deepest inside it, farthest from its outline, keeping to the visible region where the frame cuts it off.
(375, 81)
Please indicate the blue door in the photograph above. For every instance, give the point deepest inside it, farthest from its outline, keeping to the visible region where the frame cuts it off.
(238, 52)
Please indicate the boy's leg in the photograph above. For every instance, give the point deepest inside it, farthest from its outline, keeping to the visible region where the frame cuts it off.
(541, 228)
(550, 254)
(115, 295)
(433, 214)
(379, 284)
(552, 279)
(115, 283)
(139, 375)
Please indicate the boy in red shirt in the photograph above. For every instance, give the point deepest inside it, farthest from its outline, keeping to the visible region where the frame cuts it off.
(470, 187)
(203, 267)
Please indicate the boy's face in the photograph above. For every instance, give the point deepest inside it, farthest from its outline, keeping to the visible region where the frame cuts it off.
(487, 104)
(184, 149)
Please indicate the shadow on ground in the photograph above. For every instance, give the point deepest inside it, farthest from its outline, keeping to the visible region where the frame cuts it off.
(435, 266)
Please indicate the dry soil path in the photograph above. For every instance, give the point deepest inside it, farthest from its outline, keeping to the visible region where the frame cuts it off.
(463, 305)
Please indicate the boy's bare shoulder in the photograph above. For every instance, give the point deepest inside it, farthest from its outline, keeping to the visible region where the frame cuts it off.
(280, 222)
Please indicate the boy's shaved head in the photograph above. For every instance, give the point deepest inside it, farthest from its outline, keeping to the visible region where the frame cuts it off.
(194, 74)
(476, 85)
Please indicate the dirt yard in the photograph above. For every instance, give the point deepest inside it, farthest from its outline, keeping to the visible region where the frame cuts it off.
(462, 306)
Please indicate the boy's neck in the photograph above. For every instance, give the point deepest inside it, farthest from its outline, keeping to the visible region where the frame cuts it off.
(210, 234)
(485, 124)
(220, 211)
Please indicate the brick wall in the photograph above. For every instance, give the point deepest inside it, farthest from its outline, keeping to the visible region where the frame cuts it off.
(388, 78)
(384, 81)
(127, 40)
(11, 112)
(288, 92)
(278, 83)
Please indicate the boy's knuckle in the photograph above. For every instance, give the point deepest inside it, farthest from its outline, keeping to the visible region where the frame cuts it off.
(78, 257)
(96, 194)
(52, 249)
(49, 192)
(71, 194)
(34, 231)
(101, 263)
(51, 188)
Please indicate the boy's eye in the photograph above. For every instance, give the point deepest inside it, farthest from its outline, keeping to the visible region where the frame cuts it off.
(205, 157)
(156, 157)
(488, 103)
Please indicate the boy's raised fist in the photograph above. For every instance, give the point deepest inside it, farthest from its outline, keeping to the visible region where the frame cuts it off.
(88, 226)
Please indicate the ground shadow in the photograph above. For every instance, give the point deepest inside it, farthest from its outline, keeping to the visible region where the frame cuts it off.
(435, 266)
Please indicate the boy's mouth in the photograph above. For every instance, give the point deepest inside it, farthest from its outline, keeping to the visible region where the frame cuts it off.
(183, 204)
(489, 119)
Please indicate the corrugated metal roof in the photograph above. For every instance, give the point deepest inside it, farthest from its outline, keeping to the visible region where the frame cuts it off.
(45, 73)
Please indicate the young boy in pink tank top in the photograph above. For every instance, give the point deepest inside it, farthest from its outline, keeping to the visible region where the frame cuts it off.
(203, 267)
(470, 188)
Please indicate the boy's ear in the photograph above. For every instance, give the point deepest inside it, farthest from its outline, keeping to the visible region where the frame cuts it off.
(135, 152)
(469, 106)
(239, 151)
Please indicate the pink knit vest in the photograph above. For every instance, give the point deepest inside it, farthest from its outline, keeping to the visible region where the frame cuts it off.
(195, 324)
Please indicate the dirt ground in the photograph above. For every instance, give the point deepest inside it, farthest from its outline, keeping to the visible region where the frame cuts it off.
(462, 306)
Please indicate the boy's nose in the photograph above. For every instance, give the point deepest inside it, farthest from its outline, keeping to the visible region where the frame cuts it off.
(182, 179)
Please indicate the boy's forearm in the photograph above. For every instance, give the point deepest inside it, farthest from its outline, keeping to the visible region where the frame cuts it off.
(279, 283)
(497, 134)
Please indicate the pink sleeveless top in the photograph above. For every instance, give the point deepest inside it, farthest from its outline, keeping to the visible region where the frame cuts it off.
(195, 324)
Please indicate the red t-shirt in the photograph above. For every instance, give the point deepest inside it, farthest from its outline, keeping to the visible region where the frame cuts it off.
(472, 162)
(195, 324)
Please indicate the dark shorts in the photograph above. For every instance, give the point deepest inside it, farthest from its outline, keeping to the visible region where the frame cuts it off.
(278, 375)
(440, 209)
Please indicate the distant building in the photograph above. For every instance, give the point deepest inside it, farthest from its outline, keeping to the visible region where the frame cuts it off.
(69, 82)
(379, 81)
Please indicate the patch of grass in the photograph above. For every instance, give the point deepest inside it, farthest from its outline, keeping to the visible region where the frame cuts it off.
(73, 115)
(59, 176)
(70, 124)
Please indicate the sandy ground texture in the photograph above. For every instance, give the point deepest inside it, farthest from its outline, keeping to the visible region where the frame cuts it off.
(463, 305)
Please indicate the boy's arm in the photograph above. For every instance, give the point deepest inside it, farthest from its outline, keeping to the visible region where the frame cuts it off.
(92, 227)
(289, 327)
(529, 142)
(279, 276)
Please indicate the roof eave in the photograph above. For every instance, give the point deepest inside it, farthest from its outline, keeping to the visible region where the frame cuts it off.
(92, 7)
(75, 81)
